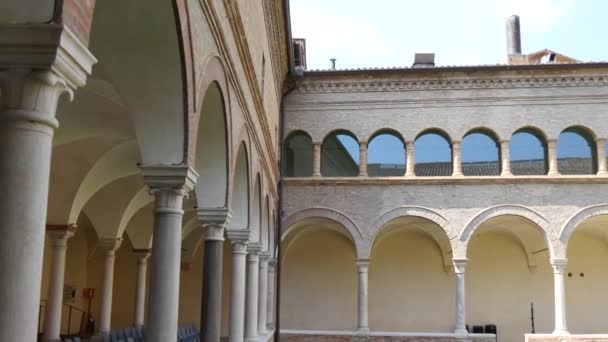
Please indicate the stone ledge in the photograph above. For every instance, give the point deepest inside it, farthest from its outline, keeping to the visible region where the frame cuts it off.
(568, 338)
(326, 336)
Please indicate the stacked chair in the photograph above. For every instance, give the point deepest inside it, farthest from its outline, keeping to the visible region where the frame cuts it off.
(188, 334)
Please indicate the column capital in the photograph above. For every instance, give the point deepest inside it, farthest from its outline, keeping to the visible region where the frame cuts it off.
(460, 265)
(600, 139)
(214, 222)
(142, 253)
(239, 240)
(363, 144)
(504, 141)
(362, 265)
(265, 256)
(551, 140)
(272, 262)
(456, 143)
(179, 178)
(60, 232)
(254, 248)
(317, 144)
(110, 244)
(559, 265)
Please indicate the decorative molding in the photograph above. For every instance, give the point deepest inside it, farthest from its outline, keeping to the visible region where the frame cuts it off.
(395, 85)
(179, 177)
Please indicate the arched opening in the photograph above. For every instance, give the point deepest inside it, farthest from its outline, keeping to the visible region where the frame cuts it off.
(256, 211)
(433, 154)
(240, 191)
(211, 151)
(298, 156)
(318, 277)
(480, 153)
(507, 275)
(386, 155)
(409, 288)
(586, 278)
(340, 155)
(528, 152)
(576, 152)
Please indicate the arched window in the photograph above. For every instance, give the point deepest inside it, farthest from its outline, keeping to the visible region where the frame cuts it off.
(433, 154)
(528, 153)
(480, 154)
(576, 152)
(340, 155)
(386, 155)
(298, 155)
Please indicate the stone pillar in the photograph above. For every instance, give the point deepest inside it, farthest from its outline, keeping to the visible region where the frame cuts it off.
(214, 222)
(456, 159)
(362, 321)
(27, 124)
(52, 318)
(271, 287)
(45, 61)
(251, 299)
(552, 155)
(140, 289)
(409, 159)
(109, 247)
(169, 184)
(263, 293)
(239, 240)
(316, 159)
(460, 324)
(505, 156)
(602, 168)
(363, 159)
(559, 268)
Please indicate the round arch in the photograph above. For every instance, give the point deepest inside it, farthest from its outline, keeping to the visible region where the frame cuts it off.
(540, 221)
(386, 130)
(350, 229)
(298, 154)
(579, 217)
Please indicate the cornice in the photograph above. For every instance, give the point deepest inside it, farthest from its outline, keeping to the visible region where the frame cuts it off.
(340, 85)
(447, 180)
(245, 57)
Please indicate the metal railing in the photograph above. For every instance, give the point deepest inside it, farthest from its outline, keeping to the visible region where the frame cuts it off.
(69, 311)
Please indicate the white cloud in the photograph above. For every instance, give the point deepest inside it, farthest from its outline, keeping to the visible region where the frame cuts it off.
(538, 15)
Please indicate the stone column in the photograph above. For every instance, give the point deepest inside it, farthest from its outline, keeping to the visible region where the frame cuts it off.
(460, 324)
(251, 299)
(271, 287)
(169, 184)
(409, 159)
(109, 247)
(263, 293)
(362, 321)
(27, 124)
(559, 268)
(602, 168)
(505, 156)
(52, 318)
(456, 159)
(214, 222)
(316, 159)
(552, 155)
(45, 61)
(140, 289)
(239, 240)
(363, 159)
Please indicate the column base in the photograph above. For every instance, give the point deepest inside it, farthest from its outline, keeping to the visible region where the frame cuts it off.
(560, 332)
(553, 173)
(362, 331)
(461, 332)
(251, 339)
(602, 173)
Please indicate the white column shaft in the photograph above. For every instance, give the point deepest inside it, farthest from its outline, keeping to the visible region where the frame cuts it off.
(140, 292)
(552, 155)
(52, 317)
(27, 125)
(409, 159)
(237, 292)
(263, 296)
(251, 300)
(363, 159)
(460, 314)
(602, 168)
(270, 301)
(560, 297)
(362, 324)
(505, 156)
(105, 315)
(316, 160)
(165, 266)
(456, 159)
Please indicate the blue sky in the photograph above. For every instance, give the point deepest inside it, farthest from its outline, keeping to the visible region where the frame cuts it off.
(388, 32)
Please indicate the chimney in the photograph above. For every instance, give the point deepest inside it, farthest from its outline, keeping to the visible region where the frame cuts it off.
(333, 63)
(513, 36)
(299, 54)
(424, 60)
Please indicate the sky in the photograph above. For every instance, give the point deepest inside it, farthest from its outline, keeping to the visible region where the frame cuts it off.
(387, 33)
